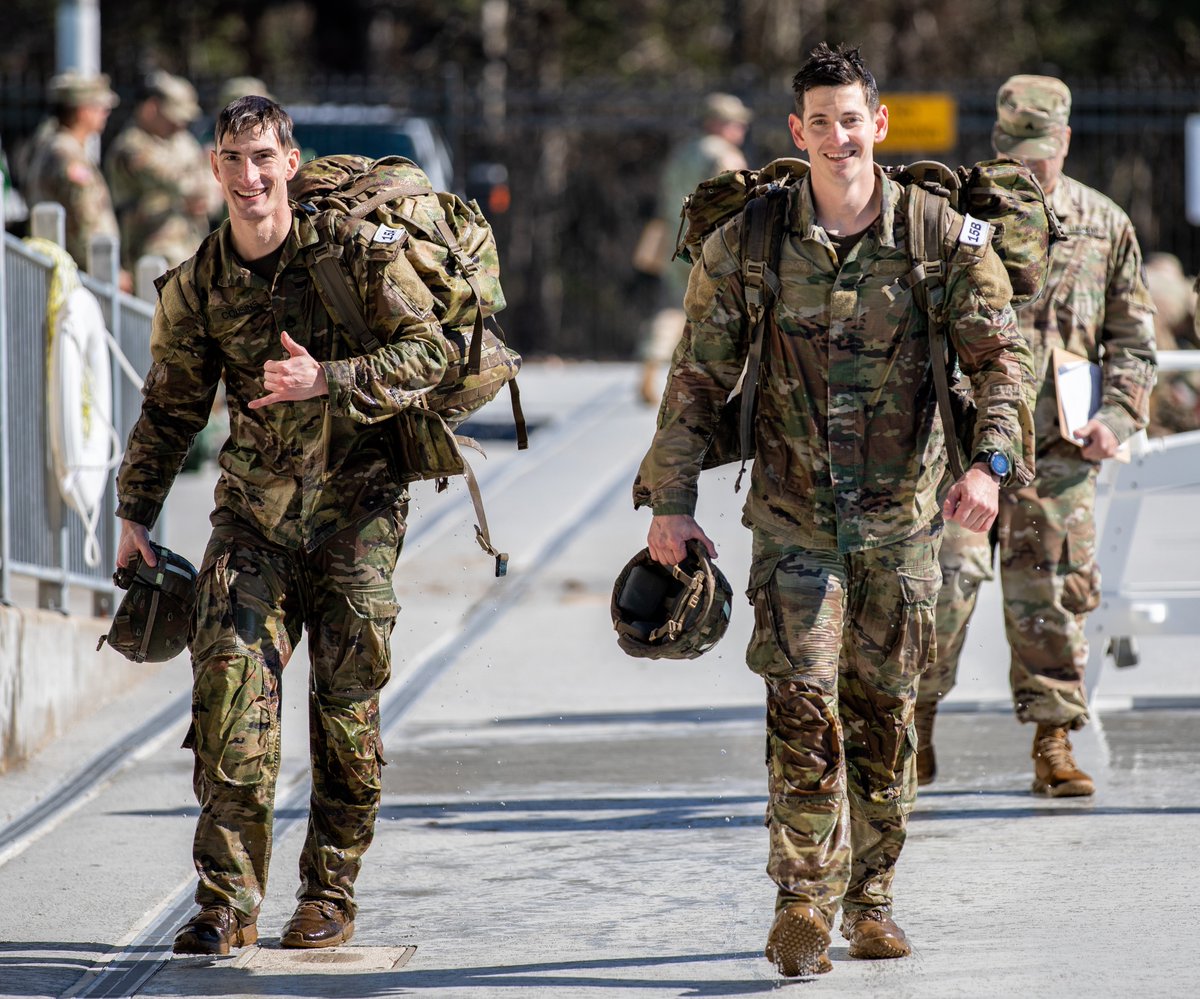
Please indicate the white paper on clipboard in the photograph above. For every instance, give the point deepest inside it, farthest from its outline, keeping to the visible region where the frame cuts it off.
(1077, 384)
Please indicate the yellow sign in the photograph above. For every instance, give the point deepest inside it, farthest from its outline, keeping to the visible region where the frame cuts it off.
(920, 123)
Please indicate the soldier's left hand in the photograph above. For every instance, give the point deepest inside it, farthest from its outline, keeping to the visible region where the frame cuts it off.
(298, 377)
(974, 500)
(1098, 441)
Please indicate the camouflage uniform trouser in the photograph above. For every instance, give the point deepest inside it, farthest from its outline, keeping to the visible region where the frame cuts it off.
(840, 641)
(1047, 541)
(253, 598)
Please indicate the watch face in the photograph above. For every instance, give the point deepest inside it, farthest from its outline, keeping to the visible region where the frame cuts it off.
(999, 463)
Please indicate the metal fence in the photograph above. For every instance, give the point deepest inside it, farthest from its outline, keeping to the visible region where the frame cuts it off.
(41, 539)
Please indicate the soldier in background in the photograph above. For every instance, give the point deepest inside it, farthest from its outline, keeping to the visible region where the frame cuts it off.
(1095, 304)
(61, 167)
(843, 501)
(1175, 401)
(159, 176)
(719, 148)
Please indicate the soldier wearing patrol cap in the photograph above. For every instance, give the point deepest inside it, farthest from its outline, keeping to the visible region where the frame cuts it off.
(1096, 304)
(159, 175)
(307, 526)
(60, 167)
(724, 120)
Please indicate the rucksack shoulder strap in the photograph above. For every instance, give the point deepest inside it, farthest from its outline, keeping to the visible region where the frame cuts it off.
(927, 239)
(762, 239)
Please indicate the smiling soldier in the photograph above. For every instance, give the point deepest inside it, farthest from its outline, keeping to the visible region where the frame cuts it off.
(307, 527)
(843, 502)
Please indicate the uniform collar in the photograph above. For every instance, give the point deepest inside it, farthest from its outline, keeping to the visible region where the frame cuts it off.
(231, 273)
(1063, 199)
(803, 213)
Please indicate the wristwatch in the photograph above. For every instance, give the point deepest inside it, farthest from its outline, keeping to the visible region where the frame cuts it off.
(997, 463)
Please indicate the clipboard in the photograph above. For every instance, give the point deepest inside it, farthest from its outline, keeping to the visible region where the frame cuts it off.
(1077, 387)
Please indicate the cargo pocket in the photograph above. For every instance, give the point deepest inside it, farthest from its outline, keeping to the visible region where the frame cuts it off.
(764, 655)
(212, 629)
(1081, 577)
(919, 588)
(372, 617)
(232, 730)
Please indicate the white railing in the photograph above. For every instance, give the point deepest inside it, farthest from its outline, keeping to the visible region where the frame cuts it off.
(1148, 542)
(41, 539)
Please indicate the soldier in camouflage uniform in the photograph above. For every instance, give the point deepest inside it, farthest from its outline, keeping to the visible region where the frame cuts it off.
(60, 166)
(307, 527)
(1096, 304)
(719, 148)
(159, 176)
(845, 502)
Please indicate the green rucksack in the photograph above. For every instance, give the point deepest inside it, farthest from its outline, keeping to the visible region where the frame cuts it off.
(453, 249)
(1000, 200)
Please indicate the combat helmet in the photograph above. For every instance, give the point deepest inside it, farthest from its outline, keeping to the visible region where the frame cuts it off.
(151, 624)
(671, 612)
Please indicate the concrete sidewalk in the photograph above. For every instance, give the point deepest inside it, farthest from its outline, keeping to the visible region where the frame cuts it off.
(561, 820)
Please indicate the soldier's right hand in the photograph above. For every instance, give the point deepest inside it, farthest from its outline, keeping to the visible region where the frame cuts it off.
(669, 535)
(134, 538)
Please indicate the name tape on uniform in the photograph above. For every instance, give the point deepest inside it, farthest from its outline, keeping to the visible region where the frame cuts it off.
(975, 232)
(386, 234)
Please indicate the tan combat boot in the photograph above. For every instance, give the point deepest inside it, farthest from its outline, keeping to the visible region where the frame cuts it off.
(798, 943)
(926, 759)
(874, 935)
(1055, 772)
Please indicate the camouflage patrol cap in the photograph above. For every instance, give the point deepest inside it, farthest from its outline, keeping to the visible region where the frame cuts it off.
(176, 97)
(1031, 117)
(726, 108)
(671, 612)
(73, 89)
(241, 86)
(155, 615)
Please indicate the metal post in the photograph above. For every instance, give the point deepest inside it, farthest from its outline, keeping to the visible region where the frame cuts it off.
(145, 272)
(48, 220)
(104, 264)
(77, 36)
(5, 422)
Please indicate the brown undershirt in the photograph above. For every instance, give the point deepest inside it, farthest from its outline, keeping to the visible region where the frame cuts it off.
(264, 267)
(842, 245)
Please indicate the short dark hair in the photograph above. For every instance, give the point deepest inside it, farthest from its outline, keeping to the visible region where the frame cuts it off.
(254, 114)
(826, 67)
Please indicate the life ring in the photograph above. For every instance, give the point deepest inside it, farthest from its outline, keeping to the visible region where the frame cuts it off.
(84, 444)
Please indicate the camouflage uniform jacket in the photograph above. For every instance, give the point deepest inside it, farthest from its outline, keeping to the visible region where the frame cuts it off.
(302, 470)
(161, 188)
(61, 170)
(850, 451)
(1096, 304)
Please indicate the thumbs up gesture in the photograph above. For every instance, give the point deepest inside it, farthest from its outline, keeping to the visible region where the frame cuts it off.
(297, 377)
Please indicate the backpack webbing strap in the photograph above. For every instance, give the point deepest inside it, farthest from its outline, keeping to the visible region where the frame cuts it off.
(762, 234)
(470, 269)
(925, 214)
(339, 295)
(482, 535)
(363, 209)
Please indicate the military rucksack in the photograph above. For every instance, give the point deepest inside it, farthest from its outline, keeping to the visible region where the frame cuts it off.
(452, 248)
(999, 203)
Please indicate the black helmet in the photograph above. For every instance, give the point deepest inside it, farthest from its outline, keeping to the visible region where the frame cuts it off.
(151, 625)
(676, 612)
